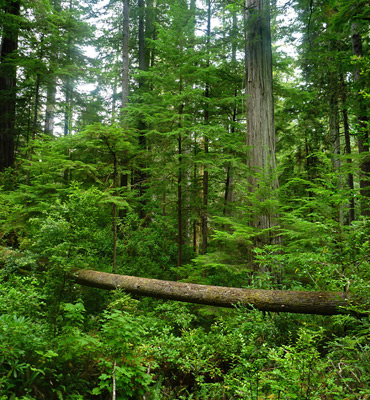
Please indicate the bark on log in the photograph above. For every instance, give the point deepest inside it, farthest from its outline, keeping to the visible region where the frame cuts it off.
(322, 303)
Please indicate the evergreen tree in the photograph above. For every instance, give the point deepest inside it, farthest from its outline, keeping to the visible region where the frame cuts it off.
(8, 76)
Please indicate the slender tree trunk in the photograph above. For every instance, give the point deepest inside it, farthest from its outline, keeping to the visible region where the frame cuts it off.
(259, 102)
(229, 187)
(146, 29)
(114, 380)
(125, 55)
(149, 33)
(143, 66)
(34, 124)
(51, 85)
(363, 122)
(8, 80)
(114, 209)
(228, 197)
(335, 137)
(179, 203)
(125, 78)
(68, 108)
(347, 139)
(205, 139)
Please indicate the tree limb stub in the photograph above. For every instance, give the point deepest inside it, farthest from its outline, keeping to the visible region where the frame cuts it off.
(321, 303)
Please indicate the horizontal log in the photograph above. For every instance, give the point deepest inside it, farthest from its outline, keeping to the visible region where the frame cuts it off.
(322, 303)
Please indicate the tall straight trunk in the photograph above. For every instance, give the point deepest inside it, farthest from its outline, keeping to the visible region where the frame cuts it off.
(259, 102)
(229, 183)
(146, 30)
(68, 107)
(179, 203)
(348, 150)
(115, 214)
(149, 33)
(34, 123)
(68, 85)
(51, 84)
(125, 55)
(124, 102)
(8, 81)
(114, 98)
(144, 61)
(335, 139)
(363, 122)
(180, 235)
(205, 139)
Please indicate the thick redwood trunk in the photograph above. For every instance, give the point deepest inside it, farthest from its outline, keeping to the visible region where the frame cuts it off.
(323, 303)
(259, 102)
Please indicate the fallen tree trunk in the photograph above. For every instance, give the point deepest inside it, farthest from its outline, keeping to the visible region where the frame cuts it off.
(322, 303)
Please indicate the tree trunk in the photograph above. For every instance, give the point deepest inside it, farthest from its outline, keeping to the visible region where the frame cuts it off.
(348, 150)
(68, 107)
(334, 137)
(50, 107)
(363, 122)
(125, 53)
(229, 184)
(34, 122)
(8, 72)
(179, 202)
(114, 211)
(205, 138)
(324, 303)
(145, 31)
(259, 102)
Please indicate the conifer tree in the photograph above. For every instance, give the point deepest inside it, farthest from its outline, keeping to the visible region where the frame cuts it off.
(8, 72)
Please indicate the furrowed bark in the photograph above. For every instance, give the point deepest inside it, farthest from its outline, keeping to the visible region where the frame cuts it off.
(321, 303)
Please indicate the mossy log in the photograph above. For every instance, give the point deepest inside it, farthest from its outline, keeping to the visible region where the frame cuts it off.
(322, 303)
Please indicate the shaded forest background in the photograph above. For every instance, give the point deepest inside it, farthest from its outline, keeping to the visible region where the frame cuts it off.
(126, 146)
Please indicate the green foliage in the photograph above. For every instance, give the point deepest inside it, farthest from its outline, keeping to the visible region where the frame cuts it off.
(185, 119)
(121, 335)
(148, 249)
(75, 232)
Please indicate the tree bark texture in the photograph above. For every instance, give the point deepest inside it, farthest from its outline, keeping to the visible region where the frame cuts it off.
(8, 72)
(125, 52)
(348, 151)
(363, 121)
(259, 101)
(206, 139)
(322, 303)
